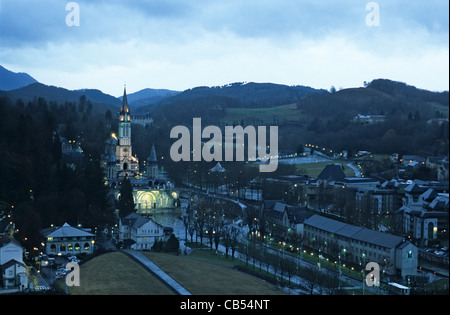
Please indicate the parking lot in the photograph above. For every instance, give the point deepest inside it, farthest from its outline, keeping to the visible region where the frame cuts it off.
(439, 251)
(57, 270)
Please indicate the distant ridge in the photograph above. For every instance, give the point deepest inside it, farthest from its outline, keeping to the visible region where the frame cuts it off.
(11, 80)
(148, 96)
(251, 94)
(100, 100)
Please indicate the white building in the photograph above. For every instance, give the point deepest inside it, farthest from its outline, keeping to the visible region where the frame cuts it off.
(138, 232)
(359, 245)
(68, 240)
(13, 271)
(424, 214)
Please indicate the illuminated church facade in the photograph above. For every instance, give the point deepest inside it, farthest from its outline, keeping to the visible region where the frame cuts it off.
(152, 190)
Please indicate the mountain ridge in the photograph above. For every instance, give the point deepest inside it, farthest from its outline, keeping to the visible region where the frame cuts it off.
(148, 96)
(10, 80)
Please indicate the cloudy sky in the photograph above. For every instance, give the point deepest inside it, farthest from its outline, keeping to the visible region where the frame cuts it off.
(180, 44)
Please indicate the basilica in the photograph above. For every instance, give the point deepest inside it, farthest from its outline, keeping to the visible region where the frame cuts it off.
(152, 190)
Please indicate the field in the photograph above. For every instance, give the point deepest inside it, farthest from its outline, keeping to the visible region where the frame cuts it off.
(117, 274)
(314, 169)
(201, 273)
(440, 107)
(204, 273)
(265, 115)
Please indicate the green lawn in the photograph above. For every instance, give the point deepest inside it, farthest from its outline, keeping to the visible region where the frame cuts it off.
(442, 108)
(117, 274)
(267, 115)
(203, 273)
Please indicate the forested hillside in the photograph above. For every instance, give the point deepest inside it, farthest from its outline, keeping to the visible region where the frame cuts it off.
(35, 182)
(324, 117)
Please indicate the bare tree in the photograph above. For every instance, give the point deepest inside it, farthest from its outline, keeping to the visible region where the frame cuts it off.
(234, 240)
(311, 277)
(290, 267)
(209, 225)
(200, 220)
(218, 232)
(226, 238)
(191, 230)
(187, 223)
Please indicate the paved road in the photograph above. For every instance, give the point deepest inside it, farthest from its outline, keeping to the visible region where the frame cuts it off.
(355, 169)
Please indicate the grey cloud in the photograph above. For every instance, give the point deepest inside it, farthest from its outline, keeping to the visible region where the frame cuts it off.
(38, 22)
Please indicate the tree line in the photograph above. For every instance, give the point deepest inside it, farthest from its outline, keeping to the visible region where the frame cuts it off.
(37, 186)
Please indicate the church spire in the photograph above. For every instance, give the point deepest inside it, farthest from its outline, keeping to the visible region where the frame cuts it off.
(152, 165)
(152, 157)
(125, 110)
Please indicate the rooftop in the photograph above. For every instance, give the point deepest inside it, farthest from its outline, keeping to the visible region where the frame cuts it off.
(353, 232)
(65, 231)
(332, 172)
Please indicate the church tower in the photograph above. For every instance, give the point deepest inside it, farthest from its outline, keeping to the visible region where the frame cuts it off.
(152, 164)
(125, 122)
(111, 169)
(128, 165)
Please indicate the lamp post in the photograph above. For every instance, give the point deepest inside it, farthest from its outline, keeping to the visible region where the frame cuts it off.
(339, 272)
(318, 260)
(363, 258)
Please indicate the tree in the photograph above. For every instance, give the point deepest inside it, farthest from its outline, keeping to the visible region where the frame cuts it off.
(311, 276)
(82, 103)
(172, 245)
(234, 240)
(191, 230)
(108, 115)
(226, 240)
(210, 224)
(126, 202)
(186, 222)
(290, 266)
(417, 116)
(158, 246)
(200, 221)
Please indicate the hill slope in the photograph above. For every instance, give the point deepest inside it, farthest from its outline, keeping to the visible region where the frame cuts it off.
(11, 80)
(100, 100)
(250, 94)
(211, 103)
(148, 97)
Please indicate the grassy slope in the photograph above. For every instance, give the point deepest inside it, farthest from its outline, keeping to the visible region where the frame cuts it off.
(116, 274)
(201, 274)
(267, 115)
(206, 274)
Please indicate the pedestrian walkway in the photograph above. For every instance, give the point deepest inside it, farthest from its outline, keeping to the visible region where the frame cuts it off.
(155, 270)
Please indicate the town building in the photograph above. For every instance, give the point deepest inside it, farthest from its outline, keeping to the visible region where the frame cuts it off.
(357, 245)
(369, 119)
(413, 161)
(142, 120)
(423, 217)
(7, 226)
(13, 271)
(152, 190)
(139, 233)
(284, 220)
(68, 240)
(120, 161)
(71, 153)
